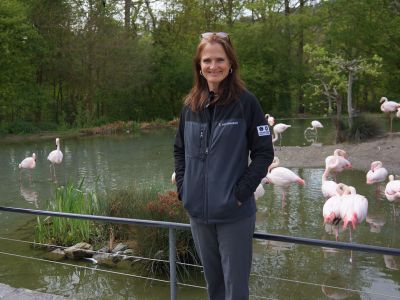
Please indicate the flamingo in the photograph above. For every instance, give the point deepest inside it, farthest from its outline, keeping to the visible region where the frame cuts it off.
(376, 174)
(354, 208)
(28, 163)
(329, 187)
(398, 112)
(314, 126)
(260, 191)
(389, 107)
(282, 177)
(55, 157)
(341, 165)
(392, 191)
(331, 208)
(278, 129)
(270, 119)
(173, 178)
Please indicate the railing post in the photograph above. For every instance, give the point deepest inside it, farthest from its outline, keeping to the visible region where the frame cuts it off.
(172, 262)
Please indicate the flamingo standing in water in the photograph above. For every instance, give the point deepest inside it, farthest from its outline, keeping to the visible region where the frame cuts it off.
(389, 107)
(341, 165)
(376, 174)
(314, 126)
(55, 157)
(354, 208)
(331, 208)
(29, 163)
(270, 119)
(392, 191)
(278, 129)
(282, 177)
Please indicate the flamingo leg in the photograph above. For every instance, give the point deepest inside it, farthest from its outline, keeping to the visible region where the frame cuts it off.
(391, 122)
(283, 199)
(280, 141)
(351, 240)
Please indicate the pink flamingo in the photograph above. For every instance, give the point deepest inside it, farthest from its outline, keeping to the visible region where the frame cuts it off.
(376, 174)
(342, 164)
(389, 107)
(270, 119)
(329, 187)
(55, 157)
(354, 208)
(392, 191)
(282, 177)
(28, 163)
(331, 208)
(278, 129)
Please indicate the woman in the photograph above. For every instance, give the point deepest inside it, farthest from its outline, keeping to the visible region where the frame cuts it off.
(220, 123)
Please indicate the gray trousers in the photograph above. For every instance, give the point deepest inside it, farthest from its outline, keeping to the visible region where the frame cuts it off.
(226, 251)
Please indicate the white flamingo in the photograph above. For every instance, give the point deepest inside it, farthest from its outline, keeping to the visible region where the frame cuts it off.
(55, 157)
(260, 191)
(270, 119)
(376, 174)
(314, 126)
(341, 165)
(392, 191)
(278, 129)
(173, 178)
(389, 107)
(282, 177)
(331, 208)
(29, 163)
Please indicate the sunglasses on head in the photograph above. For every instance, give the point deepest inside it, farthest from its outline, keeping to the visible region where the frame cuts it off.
(222, 35)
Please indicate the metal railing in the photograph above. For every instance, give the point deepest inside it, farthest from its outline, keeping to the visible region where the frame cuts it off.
(172, 226)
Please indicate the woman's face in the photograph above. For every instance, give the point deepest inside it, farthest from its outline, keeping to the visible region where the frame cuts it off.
(214, 64)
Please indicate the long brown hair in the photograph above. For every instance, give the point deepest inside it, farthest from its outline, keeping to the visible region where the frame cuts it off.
(229, 89)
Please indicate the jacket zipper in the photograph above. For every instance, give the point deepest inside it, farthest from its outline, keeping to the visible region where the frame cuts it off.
(208, 143)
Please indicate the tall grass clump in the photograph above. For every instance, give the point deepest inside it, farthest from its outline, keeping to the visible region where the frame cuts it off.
(152, 241)
(68, 231)
(363, 129)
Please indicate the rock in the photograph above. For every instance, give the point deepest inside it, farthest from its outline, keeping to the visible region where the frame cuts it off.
(79, 251)
(120, 247)
(56, 255)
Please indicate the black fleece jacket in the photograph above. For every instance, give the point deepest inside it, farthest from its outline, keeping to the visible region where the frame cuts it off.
(211, 152)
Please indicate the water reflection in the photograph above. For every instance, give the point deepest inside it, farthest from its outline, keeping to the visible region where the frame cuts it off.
(29, 195)
(391, 262)
(336, 287)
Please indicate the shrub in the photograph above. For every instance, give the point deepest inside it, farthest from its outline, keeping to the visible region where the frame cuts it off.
(363, 129)
(18, 127)
(152, 241)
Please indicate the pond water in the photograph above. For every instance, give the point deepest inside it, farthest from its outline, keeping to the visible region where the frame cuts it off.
(280, 270)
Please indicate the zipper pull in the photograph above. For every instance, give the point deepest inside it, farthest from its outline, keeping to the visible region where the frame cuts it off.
(206, 150)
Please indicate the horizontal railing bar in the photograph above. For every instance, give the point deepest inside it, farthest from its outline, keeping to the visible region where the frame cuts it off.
(257, 235)
(326, 243)
(97, 218)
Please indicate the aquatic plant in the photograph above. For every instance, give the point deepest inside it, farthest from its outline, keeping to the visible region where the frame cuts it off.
(68, 231)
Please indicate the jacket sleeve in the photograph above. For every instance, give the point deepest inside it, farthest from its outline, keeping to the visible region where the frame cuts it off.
(260, 146)
(179, 154)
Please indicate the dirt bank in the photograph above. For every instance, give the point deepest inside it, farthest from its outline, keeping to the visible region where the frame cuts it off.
(385, 149)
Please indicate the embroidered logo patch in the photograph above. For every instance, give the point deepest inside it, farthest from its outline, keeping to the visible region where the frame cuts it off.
(263, 130)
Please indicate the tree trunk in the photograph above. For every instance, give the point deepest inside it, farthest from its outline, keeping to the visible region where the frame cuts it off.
(349, 98)
(127, 18)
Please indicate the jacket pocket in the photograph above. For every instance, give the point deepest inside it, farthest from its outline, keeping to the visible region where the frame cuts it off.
(195, 139)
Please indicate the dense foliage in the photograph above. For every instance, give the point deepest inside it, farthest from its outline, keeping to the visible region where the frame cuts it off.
(76, 63)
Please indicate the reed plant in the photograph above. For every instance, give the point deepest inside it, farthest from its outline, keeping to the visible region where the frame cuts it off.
(68, 231)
